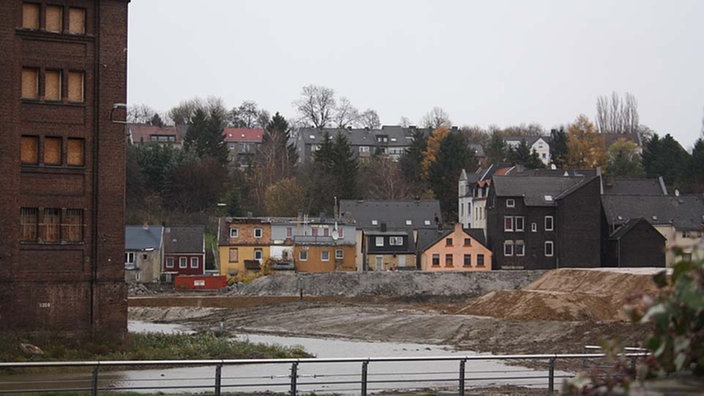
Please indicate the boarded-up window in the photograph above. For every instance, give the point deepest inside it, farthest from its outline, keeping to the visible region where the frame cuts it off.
(30, 83)
(52, 85)
(29, 150)
(54, 18)
(77, 20)
(75, 86)
(233, 255)
(50, 227)
(73, 225)
(30, 16)
(28, 224)
(52, 151)
(75, 153)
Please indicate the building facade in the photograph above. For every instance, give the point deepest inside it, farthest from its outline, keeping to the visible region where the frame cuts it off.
(62, 236)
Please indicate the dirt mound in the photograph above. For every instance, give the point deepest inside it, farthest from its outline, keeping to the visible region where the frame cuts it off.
(566, 294)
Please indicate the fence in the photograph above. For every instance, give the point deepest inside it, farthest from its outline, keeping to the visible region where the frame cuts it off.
(294, 376)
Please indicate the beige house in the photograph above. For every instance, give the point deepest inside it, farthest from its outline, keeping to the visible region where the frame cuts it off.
(457, 250)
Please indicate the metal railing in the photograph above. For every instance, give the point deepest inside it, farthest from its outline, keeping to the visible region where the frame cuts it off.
(294, 376)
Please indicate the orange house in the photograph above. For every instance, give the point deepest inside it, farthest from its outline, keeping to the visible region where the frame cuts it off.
(457, 250)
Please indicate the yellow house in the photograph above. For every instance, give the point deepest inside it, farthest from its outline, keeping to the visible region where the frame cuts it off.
(322, 254)
(457, 250)
(243, 244)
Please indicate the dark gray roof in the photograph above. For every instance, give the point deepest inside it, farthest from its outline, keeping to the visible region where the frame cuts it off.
(184, 239)
(477, 234)
(537, 190)
(685, 212)
(522, 171)
(428, 237)
(641, 186)
(397, 136)
(628, 226)
(478, 150)
(143, 237)
(395, 214)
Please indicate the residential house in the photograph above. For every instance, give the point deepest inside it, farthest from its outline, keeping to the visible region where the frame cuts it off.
(324, 245)
(138, 134)
(243, 244)
(539, 144)
(242, 144)
(458, 249)
(184, 251)
(387, 232)
(473, 189)
(144, 252)
(544, 222)
(636, 243)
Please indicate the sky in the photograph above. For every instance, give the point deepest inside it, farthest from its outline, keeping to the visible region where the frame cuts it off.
(491, 62)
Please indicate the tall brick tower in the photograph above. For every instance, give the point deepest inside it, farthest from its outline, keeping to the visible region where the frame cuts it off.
(62, 167)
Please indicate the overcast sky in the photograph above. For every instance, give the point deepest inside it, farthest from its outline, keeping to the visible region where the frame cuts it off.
(483, 62)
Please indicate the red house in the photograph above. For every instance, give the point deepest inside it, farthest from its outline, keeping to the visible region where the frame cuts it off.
(184, 250)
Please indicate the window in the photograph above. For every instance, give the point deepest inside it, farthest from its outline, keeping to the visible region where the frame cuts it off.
(289, 232)
(379, 241)
(29, 221)
(30, 83)
(234, 256)
(29, 150)
(52, 150)
(234, 233)
(54, 19)
(518, 223)
(314, 231)
(467, 242)
(519, 248)
(548, 248)
(508, 248)
(129, 257)
(50, 227)
(548, 223)
(76, 20)
(73, 225)
(375, 222)
(448, 241)
(303, 255)
(52, 85)
(533, 227)
(30, 16)
(341, 232)
(75, 152)
(379, 263)
(396, 241)
(339, 254)
(448, 260)
(194, 262)
(363, 149)
(75, 86)
(182, 262)
(409, 222)
(436, 260)
(510, 203)
(426, 222)
(169, 262)
(480, 260)
(508, 223)
(467, 260)
(258, 254)
(325, 255)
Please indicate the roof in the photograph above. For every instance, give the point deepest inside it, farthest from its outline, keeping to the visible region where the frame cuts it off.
(630, 225)
(530, 140)
(396, 136)
(611, 138)
(141, 133)
(429, 237)
(234, 135)
(641, 186)
(522, 171)
(395, 214)
(184, 239)
(143, 237)
(685, 212)
(537, 190)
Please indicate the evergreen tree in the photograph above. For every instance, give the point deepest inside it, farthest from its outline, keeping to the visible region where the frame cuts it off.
(345, 167)
(411, 163)
(665, 157)
(204, 136)
(558, 147)
(696, 166)
(454, 154)
(496, 149)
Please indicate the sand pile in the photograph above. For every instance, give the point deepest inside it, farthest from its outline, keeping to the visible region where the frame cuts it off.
(567, 294)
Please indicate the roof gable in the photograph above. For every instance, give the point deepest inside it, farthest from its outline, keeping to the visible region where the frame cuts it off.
(395, 214)
(143, 237)
(184, 239)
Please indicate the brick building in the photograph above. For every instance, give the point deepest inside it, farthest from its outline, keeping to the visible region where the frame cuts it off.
(62, 159)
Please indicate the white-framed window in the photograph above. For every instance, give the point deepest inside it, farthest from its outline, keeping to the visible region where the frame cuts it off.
(324, 255)
(234, 256)
(375, 222)
(234, 233)
(379, 241)
(169, 262)
(533, 227)
(409, 222)
(258, 254)
(510, 203)
(520, 248)
(129, 258)
(549, 251)
(258, 232)
(508, 248)
(508, 223)
(426, 222)
(396, 241)
(363, 149)
(303, 255)
(518, 223)
(339, 254)
(549, 223)
(194, 262)
(183, 262)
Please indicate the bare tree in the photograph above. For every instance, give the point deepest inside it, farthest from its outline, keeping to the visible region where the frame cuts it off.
(345, 114)
(616, 115)
(405, 122)
(140, 114)
(316, 106)
(182, 113)
(435, 118)
(245, 115)
(369, 119)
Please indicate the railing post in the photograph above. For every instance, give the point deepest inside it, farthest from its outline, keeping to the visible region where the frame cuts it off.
(294, 378)
(94, 382)
(365, 367)
(551, 376)
(462, 366)
(218, 379)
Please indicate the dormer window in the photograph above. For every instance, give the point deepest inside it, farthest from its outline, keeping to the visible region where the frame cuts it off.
(510, 203)
(409, 222)
(375, 222)
(426, 222)
(548, 198)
